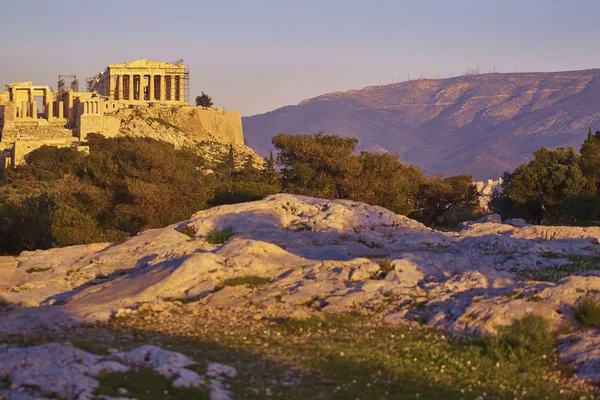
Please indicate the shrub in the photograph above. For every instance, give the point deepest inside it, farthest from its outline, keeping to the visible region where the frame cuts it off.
(220, 237)
(189, 231)
(69, 226)
(250, 281)
(144, 384)
(386, 265)
(587, 312)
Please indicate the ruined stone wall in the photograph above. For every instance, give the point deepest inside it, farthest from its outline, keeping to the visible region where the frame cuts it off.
(23, 147)
(104, 124)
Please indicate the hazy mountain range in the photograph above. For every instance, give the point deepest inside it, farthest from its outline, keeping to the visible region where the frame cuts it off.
(480, 124)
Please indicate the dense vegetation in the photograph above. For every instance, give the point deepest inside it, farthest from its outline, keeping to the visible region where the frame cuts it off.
(557, 186)
(125, 185)
(204, 100)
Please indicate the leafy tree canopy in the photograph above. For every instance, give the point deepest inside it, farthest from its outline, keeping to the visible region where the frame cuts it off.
(204, 100)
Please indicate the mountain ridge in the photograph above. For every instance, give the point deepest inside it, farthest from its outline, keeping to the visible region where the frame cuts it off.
(478, 124)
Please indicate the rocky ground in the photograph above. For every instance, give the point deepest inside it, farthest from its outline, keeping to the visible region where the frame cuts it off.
(235, 271)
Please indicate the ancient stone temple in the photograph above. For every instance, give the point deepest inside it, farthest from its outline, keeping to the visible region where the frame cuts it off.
(142, 81)
(135, 96)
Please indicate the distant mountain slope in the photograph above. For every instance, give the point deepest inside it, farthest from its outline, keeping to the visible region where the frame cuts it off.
(482, 125)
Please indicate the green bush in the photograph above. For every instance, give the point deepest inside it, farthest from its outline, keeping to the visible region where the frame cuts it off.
(189, 231)
(587, 312)
(385, 265)
(220, 237)
(250, 281)
(69, 226)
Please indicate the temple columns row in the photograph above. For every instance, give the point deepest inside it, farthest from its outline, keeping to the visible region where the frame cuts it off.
(91, 107)
(131, 87)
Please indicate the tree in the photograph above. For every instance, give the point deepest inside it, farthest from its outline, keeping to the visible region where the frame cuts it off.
(438, 195)
(269, 174)
(538, 189)
(317, 165)
(383, 180)
(204, 100)
(590, 162)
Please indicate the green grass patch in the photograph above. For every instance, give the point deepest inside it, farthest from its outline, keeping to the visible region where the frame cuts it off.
(346, 356)
(555, 273)
(100, 349)
(525, 343)
(587, 312)
(247, 281)
(220, 237)
(145, 384)
(37, 269)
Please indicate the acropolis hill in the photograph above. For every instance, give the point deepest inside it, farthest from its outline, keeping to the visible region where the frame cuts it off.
(138, 98)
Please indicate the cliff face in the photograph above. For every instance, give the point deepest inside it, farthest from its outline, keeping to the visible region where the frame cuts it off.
(482, 125)
(210, 131)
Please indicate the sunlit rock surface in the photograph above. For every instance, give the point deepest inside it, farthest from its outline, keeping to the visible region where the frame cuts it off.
(313, 255)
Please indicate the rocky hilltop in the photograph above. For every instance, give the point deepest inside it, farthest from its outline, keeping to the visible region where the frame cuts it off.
(207, 130)
(482, 125)
(304, 256)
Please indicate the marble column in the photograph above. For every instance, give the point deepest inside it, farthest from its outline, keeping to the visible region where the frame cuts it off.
(24, 109)
(49, 99)
(33, 109)
(111, 85)
(173, 91)
(130, 88)
(151, 88)
(61, 109)
(161, 94)
(140, 87)
(120, 87)
(49, 111)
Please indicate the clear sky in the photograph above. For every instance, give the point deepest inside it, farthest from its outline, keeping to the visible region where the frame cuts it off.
(253, 56)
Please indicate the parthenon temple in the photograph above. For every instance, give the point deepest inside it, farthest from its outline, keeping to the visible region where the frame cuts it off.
(142, 81)
(153, 93)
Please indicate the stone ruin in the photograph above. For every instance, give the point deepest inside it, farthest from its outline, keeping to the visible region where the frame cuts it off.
(67, 116)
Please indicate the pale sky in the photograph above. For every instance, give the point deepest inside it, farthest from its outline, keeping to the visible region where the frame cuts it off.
(256, 56)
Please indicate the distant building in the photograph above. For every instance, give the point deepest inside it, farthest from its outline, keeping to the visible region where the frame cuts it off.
(142, 81)
(67, 116)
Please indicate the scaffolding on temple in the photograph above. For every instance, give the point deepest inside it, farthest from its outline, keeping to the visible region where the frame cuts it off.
(68, 81)
(186, 78)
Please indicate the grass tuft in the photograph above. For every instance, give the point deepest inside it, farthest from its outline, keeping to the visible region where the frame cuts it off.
(525, 342)
(247, 281)
(587, 312)
(220, 237)
(576, 265)
(37, 269)
(386, 265)
(189, 231)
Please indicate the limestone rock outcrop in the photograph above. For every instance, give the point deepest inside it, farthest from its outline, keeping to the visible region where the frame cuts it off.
(64, 371)
(324, 256)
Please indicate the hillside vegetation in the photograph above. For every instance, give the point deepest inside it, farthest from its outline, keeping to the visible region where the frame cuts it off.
(482, 125)
(557, 186)
(126, 185)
